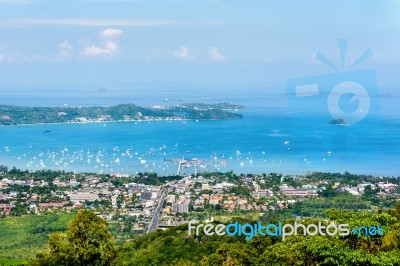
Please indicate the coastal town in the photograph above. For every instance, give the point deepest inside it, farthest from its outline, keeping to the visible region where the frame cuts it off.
(146, 202)
(23, 115)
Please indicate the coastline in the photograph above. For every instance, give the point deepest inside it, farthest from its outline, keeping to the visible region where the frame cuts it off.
(119, 121)
(260, 140)
(23, 115)
(293, 172)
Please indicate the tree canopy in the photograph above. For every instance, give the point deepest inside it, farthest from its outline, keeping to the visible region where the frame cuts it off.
(86, 242)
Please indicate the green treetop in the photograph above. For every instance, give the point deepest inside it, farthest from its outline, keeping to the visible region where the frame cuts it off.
(86, 242)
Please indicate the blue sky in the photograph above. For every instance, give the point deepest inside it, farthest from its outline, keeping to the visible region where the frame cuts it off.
(165, 44)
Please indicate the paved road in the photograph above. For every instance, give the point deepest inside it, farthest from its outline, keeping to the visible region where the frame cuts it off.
(157, 212)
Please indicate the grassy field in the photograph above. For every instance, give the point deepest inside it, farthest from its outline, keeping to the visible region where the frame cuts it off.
(253, 216)
(22, 237)
(13, 262)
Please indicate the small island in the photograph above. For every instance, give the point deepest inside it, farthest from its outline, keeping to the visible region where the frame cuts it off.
(338, 121)
(18, 115)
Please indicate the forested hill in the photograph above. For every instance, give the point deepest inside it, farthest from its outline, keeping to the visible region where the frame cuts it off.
(175, 247)
(17, 115)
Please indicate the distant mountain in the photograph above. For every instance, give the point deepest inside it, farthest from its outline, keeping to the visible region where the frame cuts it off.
(17, 115)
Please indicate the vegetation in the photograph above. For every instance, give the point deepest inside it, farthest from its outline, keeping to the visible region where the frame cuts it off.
(175, 247)
(338, 121)
(16, 115)
(86, 242)
(154, 179)
(22, 237)
(317, 207)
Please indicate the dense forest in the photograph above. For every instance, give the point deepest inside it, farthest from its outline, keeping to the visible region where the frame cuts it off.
(16, 115)
(87, 242)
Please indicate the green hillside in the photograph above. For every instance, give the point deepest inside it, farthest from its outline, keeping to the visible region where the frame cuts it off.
(16, 115)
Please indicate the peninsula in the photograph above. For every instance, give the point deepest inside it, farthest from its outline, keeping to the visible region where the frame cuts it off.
(18, 115)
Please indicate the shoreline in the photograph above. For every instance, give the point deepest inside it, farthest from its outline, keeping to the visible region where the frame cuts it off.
(255, 172)
(256, 137)
(119, 121)
(21, 115)
(257, 168)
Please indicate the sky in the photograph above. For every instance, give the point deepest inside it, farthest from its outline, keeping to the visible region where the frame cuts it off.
(211, 44)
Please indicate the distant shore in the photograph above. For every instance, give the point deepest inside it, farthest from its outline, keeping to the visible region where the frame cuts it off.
(115, 121)
(17, 115)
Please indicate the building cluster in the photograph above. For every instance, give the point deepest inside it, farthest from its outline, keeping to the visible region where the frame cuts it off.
(191, 195)
(383, 188)
(304, 191)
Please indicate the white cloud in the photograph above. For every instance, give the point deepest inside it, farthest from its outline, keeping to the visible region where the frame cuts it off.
(92, 50)
(16, 57)
(34, 58)
(110, 48)
(10, 57)
(215, 55)
(108, 44)
(65, 51)
(184, 54)
(111, 33)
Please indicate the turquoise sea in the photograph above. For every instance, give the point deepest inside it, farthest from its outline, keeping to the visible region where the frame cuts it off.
(267, 139)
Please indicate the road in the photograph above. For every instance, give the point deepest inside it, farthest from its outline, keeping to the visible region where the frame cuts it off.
(157, 212)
